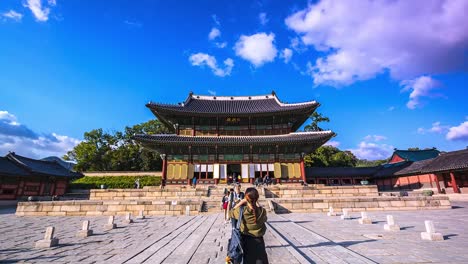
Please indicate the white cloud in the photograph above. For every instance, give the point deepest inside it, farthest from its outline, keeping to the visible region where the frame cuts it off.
(258, 49)
(41, 13)
(263, 18)
(362, 39)
(391, 108)
(214, 33)
(22, 140)
(215, 20)
(52, 2)
(13, 15)
(436, 128)
(202, 59)
(133, 23)
(332, 143)
(286, 55)
(458, 133)
(419, 87)
(212, 92)
(375, 138)
(221, 45)
(372, 151)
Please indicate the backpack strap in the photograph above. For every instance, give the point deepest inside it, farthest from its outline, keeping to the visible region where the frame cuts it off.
(241, 214)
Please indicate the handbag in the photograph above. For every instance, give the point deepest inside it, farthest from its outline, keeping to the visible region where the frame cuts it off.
(235, 253)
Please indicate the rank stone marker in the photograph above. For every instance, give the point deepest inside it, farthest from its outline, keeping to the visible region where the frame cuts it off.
(110, 223)
(390, 225)
(430, 233)
(365, 220)
(140, 215)
(187, 210)
(331, 212)
(128, 218)
(85, 231)
(49, 240)
(345, 215)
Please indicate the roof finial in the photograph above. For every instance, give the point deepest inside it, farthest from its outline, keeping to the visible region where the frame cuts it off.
(273, 93)
(190, 94)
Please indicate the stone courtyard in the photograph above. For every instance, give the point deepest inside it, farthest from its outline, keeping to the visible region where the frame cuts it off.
(291, 238)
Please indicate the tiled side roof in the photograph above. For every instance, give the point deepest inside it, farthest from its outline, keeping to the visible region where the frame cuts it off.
(414, 167)
(416, 155)
(9, 168)
(233, 105)
(41, 166)
(454, 160)
(339, 172)
(297, 138)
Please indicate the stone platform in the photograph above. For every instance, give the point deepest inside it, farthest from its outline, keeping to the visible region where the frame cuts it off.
(207, 199)
(290, 238)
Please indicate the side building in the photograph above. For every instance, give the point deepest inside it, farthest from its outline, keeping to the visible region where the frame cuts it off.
(216, 138)
(406, 170)
(22, 177)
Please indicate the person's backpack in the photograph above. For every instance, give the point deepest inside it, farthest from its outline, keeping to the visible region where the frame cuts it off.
(235, 251)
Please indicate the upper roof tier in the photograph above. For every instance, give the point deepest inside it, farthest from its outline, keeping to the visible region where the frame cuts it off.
(228, 105)
(260, 106)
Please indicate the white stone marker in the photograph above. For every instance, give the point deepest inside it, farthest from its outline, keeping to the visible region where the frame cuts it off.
(187, 210)
(430, 233)
(85, 231)
(365, 220)
(49, 240)
(345, 215)
(390, 225)
(331, 212)
(128, 218)
(110, 223)
(140, 215)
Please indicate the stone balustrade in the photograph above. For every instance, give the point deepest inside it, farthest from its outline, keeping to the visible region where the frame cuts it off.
(147, 194)
(358, 204)
(98, 208)
(320, 191)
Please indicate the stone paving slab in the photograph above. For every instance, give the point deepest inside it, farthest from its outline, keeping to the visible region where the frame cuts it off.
(291, 238)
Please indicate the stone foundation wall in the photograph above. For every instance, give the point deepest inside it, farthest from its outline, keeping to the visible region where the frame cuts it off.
(97, 208)
(146, 194)
(320, 191)
(358, 204)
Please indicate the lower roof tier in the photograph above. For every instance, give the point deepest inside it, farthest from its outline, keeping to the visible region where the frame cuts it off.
(304, 141)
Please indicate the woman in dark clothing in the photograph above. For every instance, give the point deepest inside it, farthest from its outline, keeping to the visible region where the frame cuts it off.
(253, 228)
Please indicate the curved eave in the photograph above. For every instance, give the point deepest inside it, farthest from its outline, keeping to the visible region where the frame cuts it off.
(308, 140)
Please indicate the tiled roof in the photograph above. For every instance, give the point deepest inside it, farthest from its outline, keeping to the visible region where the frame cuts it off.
(454, 160)
(296, 138)
(340, 172)
(37, 167)
(414, 167)
(8, 168)
(233, 105)
(416, 155)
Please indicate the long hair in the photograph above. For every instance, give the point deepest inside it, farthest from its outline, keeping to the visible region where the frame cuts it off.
(251, 195)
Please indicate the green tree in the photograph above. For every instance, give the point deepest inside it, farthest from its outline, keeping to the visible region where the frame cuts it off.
(316, 119)
(329, 156)
(101, 151)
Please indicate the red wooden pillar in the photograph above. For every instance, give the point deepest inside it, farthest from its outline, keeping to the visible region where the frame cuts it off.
(437, 182)
(303, 175)
(164, 169)
(454, 183)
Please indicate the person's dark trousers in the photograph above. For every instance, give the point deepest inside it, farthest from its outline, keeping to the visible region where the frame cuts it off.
(234, 222)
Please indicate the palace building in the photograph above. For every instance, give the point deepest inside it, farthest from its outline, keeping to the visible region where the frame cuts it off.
(218, 137)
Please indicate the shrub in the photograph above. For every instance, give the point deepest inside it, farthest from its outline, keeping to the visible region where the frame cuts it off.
(114, 182)
(427, 192)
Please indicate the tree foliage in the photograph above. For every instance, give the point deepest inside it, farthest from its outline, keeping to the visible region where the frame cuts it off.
(316, 119)
(329, 156)
(102, 151)
(370, 163)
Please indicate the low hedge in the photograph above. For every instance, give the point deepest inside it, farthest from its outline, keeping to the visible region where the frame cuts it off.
(114, 182)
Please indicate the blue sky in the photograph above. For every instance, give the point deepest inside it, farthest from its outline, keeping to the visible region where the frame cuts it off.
(388, 74)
